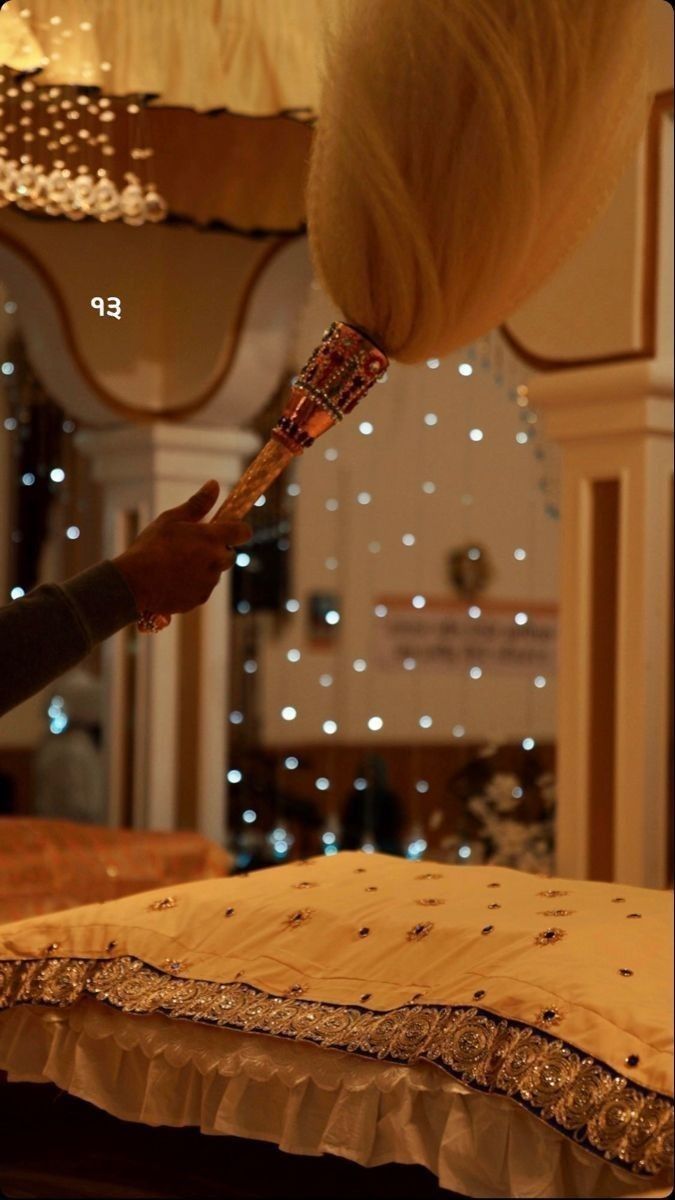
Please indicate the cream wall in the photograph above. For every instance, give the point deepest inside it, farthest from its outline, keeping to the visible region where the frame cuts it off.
(392, 464)
(180, 293)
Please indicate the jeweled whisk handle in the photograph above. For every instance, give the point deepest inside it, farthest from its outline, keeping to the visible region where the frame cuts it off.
(340, 371)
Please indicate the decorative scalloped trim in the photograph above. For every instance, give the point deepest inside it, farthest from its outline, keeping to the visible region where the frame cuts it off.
(575, 1094)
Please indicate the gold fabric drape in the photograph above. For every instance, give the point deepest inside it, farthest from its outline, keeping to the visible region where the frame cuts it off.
(255, 57)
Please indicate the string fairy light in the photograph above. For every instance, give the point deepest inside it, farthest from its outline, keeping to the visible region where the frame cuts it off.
(416, 841)
(352, 542)
(45, 466)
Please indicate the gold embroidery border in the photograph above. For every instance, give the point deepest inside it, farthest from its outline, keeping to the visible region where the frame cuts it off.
(576, 1094)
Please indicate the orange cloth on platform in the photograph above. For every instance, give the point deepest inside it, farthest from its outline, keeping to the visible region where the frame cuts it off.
(46, 865)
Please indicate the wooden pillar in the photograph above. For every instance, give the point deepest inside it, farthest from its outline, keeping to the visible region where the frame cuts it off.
(614, 425)
(159, 772)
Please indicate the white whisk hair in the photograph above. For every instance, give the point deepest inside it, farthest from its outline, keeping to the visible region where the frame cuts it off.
(462, 148)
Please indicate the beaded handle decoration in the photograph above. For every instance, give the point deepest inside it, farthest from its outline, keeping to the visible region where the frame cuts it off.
(338, 373)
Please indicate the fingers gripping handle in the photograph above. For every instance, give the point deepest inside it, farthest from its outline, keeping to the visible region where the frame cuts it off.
(255, 481)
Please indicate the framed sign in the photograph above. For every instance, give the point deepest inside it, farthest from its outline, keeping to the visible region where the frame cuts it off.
(503, 637)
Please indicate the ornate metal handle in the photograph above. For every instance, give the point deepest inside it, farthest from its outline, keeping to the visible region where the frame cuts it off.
(339, 372)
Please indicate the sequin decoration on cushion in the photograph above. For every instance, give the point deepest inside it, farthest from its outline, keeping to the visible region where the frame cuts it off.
(550, 1077)
(60, 980)
(160, 905)
(624, 1127)
(419, 931)
(548, 1017)
(298, 918)
(552, 892)
(467, 1042)
(136, 988)
(548, 936)
(430, 902)
(590, 1086)
(518, 1061)
(411, 1036)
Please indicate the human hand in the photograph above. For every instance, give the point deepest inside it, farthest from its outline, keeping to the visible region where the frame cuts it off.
(176, 561)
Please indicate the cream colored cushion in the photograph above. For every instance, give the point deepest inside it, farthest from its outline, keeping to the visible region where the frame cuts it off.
(487, 1014)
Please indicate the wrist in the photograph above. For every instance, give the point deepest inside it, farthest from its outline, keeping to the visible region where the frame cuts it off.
(133, 576)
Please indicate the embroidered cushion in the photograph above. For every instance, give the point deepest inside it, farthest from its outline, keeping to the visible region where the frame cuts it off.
(543, 1005)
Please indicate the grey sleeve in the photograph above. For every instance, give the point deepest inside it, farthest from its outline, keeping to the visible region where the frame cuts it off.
(52, 628)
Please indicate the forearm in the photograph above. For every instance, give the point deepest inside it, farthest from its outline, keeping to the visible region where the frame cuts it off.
(54, 627)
